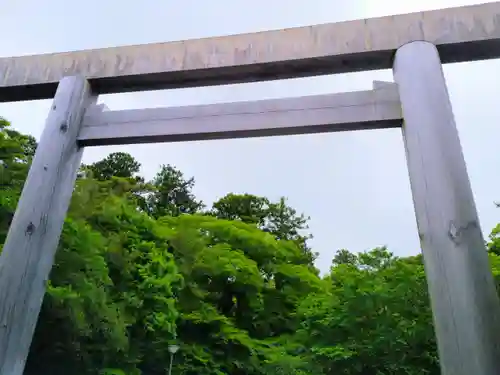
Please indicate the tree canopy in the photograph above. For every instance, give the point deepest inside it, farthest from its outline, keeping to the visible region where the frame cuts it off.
(142, 265)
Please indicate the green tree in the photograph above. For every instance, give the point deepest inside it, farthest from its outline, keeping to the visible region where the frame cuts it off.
(116, 164)
(242, 291)
(16, 153)
(172, 194)
(112, 289)
(276, 218)
(344, 256)
(373, 317)
(494, 244)
(141, 266)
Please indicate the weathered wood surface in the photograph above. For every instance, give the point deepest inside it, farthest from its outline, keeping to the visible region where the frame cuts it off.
(371, 109)
(465, 304)
(29, 249)
(461, 34)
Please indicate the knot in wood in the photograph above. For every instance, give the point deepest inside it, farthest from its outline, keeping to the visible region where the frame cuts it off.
(30, 228)
(64, 127)
(456, 232)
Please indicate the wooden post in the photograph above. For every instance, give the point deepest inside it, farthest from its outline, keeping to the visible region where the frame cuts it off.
(33, 237)
(465, 305)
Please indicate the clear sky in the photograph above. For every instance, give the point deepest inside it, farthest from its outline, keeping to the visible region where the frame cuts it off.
(353, 185)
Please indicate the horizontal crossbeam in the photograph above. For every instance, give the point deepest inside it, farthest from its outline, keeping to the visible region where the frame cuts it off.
(461, 34)
(372, 109)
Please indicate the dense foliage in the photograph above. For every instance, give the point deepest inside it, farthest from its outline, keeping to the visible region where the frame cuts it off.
(143, 264)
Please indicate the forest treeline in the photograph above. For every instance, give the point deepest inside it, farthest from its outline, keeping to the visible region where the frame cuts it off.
(144, 264)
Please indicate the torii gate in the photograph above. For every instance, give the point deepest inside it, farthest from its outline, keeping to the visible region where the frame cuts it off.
(465, 306)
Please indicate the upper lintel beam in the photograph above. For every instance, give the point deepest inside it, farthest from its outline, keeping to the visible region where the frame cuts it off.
(461, 34)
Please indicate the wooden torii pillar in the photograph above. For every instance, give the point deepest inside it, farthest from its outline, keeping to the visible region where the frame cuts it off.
(465, 305)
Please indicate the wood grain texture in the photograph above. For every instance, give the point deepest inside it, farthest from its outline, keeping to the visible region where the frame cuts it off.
(461, 34)
(372, 109)
(465, 304)
(33, 237)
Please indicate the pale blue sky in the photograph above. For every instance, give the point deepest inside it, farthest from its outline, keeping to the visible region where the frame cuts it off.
(353, 185)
